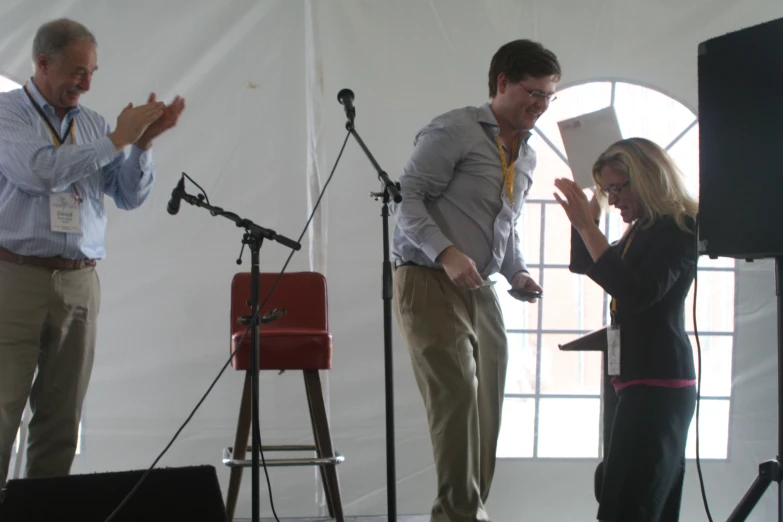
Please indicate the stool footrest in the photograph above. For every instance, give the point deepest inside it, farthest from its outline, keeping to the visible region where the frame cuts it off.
(230, 461)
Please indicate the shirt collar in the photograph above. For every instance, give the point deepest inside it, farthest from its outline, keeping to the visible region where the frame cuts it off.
(40, 100)
(486, 116)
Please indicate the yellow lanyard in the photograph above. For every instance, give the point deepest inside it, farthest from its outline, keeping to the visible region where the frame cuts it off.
(622, 256)
(508, 169)
(55, 137)
(72, 133)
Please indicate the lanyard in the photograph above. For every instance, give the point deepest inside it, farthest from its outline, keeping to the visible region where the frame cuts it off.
(55, 135)
(622, 256)
(508, 169)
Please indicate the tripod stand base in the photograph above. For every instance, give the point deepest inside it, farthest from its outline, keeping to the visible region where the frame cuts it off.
(769, 472)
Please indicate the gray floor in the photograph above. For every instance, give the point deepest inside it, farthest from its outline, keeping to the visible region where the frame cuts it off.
(400, 518)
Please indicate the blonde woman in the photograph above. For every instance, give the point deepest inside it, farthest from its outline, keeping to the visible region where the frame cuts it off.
(648, 274)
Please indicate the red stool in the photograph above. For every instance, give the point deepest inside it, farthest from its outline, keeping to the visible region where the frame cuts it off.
(299, 340)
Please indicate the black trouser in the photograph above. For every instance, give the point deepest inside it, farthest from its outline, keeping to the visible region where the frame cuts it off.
(642, 474)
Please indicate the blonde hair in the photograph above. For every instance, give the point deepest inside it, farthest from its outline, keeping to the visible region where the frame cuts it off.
(654, 177)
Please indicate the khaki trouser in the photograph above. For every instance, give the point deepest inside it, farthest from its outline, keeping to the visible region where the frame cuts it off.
(458, 348)
(48, 322)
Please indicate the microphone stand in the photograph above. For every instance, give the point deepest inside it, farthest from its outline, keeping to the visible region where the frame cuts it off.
(390, 191)
(253, 237)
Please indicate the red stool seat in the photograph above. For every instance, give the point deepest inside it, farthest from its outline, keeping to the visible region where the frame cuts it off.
(285, 349)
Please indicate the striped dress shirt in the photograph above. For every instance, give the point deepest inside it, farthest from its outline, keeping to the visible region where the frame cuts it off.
(86, 165)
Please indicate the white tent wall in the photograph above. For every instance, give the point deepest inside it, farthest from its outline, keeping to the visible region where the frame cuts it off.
(260, 134)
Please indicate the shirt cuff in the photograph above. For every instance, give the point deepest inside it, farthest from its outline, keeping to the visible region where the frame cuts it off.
(143, 157)
(517, 267)
(104, 148)
(434, 245)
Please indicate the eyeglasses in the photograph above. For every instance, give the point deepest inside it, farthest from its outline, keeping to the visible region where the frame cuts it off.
(614, 189)
(541, 95)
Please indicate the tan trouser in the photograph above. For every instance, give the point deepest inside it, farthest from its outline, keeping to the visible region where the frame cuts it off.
(458, 348)
(48, 321)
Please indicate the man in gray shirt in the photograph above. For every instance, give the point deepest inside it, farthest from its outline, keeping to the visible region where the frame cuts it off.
(463, 190)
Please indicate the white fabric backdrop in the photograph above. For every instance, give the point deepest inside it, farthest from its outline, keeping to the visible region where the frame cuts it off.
(260, 134)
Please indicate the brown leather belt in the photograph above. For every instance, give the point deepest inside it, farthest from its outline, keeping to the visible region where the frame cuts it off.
(55, 263)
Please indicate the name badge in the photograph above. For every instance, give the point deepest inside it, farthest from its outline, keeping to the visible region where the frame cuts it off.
(64, 213)
(613, 349)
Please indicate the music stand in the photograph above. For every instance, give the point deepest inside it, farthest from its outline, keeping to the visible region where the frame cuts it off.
(596, 341)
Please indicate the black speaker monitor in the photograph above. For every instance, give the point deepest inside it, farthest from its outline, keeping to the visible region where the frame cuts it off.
(167, 495)
(741, 143)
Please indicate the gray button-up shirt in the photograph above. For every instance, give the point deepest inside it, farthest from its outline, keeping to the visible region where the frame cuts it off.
(454, 193)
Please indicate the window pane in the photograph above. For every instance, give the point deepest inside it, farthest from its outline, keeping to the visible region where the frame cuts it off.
(571, 301)
(650, 114)
(716, 364)
(557, 239)
(713, 431)
(568, 373)
(568, 428)
(715, 302)
(721, 262)
(617, 226)
(516, 430)
(548, 167)
(518, 315)
(521, 373)
(529, 230)
(571, 102)
(686, 154)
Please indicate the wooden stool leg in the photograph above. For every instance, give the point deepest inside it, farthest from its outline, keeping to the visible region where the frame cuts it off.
(309, 383)
(240, 447)
(323, 442)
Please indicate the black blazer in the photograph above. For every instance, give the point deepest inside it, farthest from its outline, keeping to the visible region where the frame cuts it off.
(650, 285)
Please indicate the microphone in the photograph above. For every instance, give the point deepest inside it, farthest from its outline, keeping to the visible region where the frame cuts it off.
(176, 197)
(345, 97)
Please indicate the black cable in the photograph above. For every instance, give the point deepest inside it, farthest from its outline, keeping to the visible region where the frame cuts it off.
(698, 377)
(225, 366)
(199, 187)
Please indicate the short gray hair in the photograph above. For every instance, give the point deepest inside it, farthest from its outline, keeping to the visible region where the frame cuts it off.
(53, 37)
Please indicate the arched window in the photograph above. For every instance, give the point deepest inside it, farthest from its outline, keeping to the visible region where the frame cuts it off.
(553, 398)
